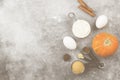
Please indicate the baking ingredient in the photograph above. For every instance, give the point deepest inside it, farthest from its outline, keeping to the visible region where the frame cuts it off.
(80, 56)
(78, 67)
(87, 10)
(105, 44)
(101, 21)
(66, 57)
(83, 6)
(86, 49)
(81, 28)
(82, 3)
(69, 43)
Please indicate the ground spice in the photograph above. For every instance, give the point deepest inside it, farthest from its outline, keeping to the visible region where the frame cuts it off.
(66, 57)
(80, 56)
(86, 49)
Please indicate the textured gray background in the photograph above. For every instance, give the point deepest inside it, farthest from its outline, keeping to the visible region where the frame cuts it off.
(31, 33)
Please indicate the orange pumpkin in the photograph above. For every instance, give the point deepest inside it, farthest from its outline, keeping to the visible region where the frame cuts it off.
(105, 44)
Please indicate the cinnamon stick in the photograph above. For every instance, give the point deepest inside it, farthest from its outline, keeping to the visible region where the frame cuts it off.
(82, 2)
(85, 5)
(86, 10)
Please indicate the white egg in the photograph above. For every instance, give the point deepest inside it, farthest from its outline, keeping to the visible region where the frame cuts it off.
(81, 28)
(69, 43)
(101, 21)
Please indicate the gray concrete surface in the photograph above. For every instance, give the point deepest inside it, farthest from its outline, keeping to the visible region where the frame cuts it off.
(31, 33)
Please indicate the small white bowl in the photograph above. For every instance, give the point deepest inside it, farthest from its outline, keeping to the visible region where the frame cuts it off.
(81, 28)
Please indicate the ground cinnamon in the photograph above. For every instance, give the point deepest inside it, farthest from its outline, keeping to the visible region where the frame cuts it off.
(66, 57)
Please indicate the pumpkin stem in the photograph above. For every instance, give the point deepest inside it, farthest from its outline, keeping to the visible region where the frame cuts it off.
(107, 42)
